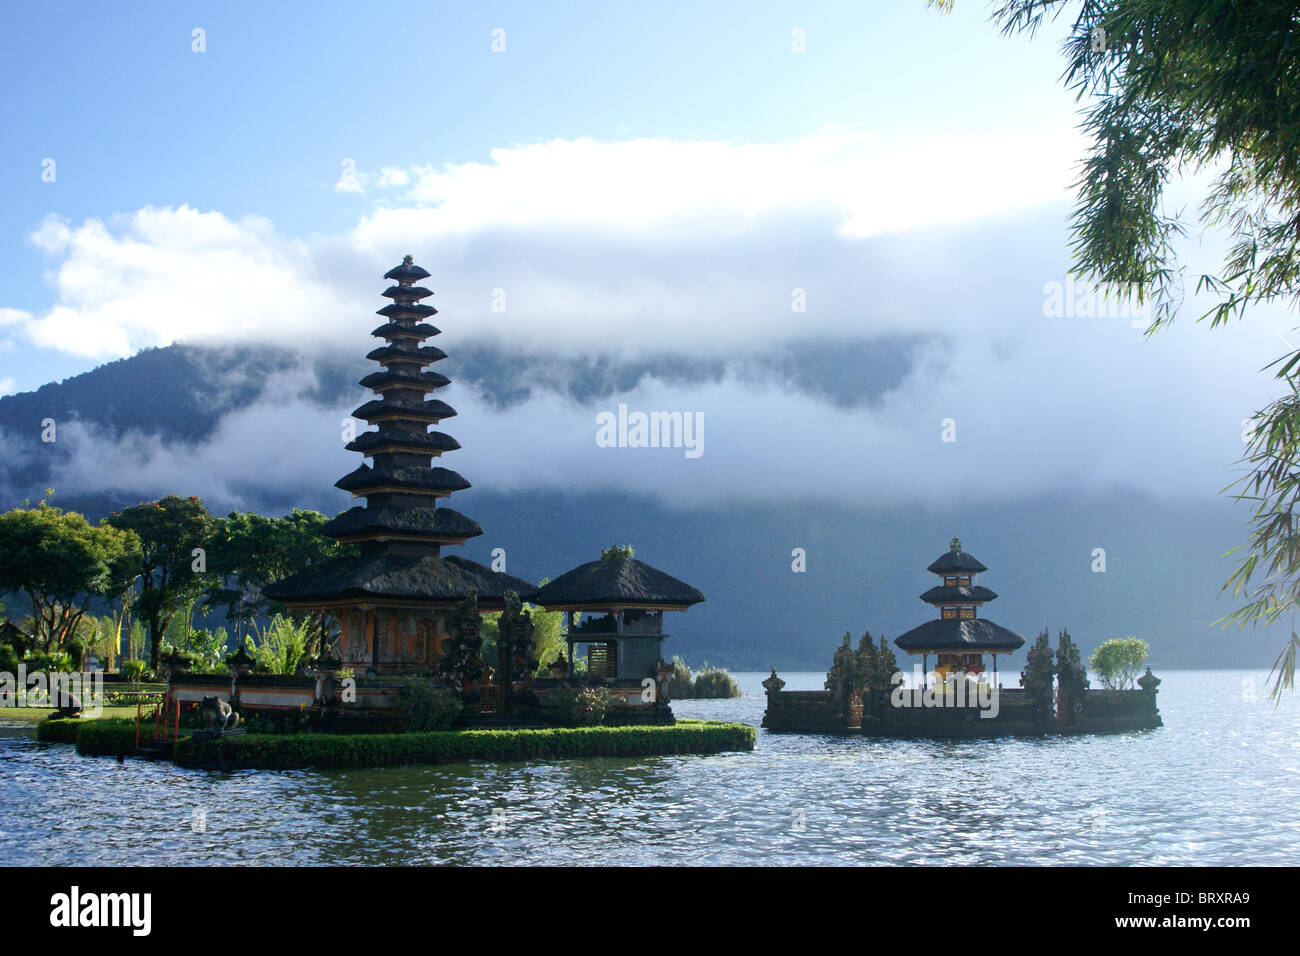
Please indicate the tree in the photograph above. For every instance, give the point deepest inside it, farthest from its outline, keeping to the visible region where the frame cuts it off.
(1036, 678)
(461, 664)
(248, 551)
(515, 658)
(1119, 661)
(880, 679)
(169, 530)
(123, 575)
(1174, 85)
(548, 634)
(59, 561)
(843, 679)
(1071, 675)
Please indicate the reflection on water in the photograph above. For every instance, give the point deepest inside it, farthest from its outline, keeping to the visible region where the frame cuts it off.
(1219, 784)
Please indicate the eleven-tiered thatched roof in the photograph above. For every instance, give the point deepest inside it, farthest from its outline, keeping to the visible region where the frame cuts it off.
(402, 528)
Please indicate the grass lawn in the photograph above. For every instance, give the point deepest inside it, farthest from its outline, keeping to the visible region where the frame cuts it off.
(33, 715)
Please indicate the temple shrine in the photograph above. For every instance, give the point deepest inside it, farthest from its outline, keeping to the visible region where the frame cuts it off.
(862, 696)
(400, 606)
(959, 639)
(393, 602)
(616, 611)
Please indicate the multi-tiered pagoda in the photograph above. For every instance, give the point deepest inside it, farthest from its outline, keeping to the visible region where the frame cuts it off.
(958, 639)
(392, 602)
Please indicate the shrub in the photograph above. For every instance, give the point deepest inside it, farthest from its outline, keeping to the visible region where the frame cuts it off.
(105, 737)
(8, 659)
(135, 671)
(583, 706)
(291, 722)
(282, 645)
(1118, 661)
(714, 682)
(51, 662)
(425, 706)
(709, 683)
(681, 686)
(57, 731)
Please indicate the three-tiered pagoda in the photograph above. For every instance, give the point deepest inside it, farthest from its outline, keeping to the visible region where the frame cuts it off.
(958, 639)
(393, 601)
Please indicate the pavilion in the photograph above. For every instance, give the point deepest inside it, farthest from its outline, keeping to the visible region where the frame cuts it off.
(616, 608)
(959, 639)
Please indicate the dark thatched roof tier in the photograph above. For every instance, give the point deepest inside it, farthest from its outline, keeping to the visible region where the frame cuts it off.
(415, 479)
(427, 580)
(382, 380)
(619, 582)
(424, 443)
(408, 271)
(971, 636)
(956, 562)
(394, 330)
(407, 310)
(433, 523)
(414, 409)
(958, 594)
(406, 292)
(397, 353)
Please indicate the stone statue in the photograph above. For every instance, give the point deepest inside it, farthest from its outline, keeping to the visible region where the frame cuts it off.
(68, 703)
(218, 715)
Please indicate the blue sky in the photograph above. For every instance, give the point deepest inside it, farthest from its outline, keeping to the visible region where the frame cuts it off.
(261, 122)
(634, 181)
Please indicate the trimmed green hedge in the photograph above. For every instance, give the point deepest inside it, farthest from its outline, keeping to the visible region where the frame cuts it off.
(283, 752)
(61, 731)
(107, 737)
(94, 737)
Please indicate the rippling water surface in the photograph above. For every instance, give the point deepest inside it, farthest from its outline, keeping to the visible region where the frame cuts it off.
(1218, 784)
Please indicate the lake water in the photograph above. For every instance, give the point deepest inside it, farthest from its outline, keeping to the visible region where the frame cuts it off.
(1218, 784)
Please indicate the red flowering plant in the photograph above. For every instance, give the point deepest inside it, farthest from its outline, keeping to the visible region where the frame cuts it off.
(584, 706)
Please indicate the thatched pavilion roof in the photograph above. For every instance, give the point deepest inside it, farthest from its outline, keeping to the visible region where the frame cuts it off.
(616, 582)
(973, 636)
(956, 562)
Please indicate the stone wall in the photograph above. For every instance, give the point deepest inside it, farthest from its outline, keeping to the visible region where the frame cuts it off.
(1018, 714)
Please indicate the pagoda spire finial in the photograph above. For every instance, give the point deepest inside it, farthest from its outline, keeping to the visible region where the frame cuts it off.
(955, 545)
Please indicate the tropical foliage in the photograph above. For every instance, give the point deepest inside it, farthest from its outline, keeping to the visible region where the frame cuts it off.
(59, 562)
(1175, 86)
(281, 646)
(425, 705)
(583, 706)
(709, 683)
(1118, 662)
(171, 531)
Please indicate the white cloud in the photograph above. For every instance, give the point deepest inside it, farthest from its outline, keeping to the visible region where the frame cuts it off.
(698, 248)
(660, 185)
